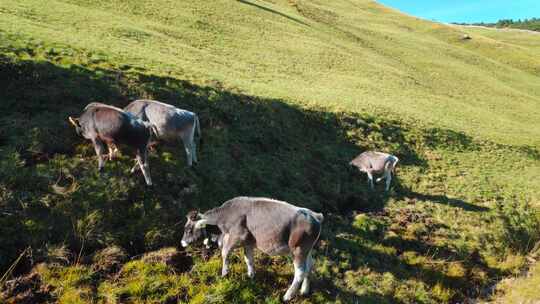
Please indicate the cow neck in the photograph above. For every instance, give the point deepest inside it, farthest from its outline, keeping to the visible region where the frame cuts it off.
(212, 216)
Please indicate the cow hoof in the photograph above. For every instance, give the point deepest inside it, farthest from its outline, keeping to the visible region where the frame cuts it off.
(305, 288)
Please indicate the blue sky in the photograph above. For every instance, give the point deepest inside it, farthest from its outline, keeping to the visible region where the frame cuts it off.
(467, 10)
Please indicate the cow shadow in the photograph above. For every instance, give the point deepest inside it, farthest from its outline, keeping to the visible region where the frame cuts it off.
(449, 139)
(405, 259)
(372, 201)
(404, 192)
(444, 200)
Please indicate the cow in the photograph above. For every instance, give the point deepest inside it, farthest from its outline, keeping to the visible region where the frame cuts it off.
(274, 227)
(212, 234)
(170, 123)
(106, 125)
(372, 162)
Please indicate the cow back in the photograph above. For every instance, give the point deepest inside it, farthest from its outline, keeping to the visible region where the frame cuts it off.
(278, 226)
(170, 122)
(114, 126)
(370, 161)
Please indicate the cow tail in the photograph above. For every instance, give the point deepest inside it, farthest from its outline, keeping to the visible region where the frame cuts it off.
(198, 126)
(318, 216)
(154, 131)
(394, 163)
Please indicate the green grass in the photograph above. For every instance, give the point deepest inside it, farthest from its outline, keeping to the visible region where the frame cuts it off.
(288, 92)
(521, 289)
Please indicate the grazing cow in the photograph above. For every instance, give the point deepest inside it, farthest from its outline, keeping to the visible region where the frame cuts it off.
(108, 125)
(274, 227)
(170, 123)
(372, 162)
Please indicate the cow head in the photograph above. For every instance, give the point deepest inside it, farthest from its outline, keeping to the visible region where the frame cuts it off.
(76, 124)
(194, 228)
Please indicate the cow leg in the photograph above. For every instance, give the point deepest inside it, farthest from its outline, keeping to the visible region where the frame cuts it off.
(135, 167)
(192, 145)
(370, 180)
(187, 148)
(388, 179)
(300, 274)
(113, 149)
(111, 152)
(194, 151)
(248, 257)
(236, 236)
(304, 290)
(99, 146)
(225, 249)
(220, 241)
(142, 159)
(188, 155)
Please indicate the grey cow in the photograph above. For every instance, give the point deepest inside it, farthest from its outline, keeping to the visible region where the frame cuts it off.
(274, 227)
(372, 162)
(106, 125)
(170, 123)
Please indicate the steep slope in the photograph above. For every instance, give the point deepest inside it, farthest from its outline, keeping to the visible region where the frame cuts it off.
(345, 55)
(288, 92)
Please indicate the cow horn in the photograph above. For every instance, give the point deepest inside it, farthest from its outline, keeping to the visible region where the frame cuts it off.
(73, 121)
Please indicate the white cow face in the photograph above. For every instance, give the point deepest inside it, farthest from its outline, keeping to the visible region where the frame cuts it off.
(194, 228)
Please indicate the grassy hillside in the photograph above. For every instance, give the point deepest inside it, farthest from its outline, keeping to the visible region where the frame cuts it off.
(288, 92)
(348, 55)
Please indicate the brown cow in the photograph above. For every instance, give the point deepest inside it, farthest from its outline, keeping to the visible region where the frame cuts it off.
(108, 126)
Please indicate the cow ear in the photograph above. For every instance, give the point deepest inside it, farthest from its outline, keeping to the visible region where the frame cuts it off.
(192, 215)
(74, 121)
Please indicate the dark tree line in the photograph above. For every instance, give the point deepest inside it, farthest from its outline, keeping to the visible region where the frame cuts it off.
(532, 24)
